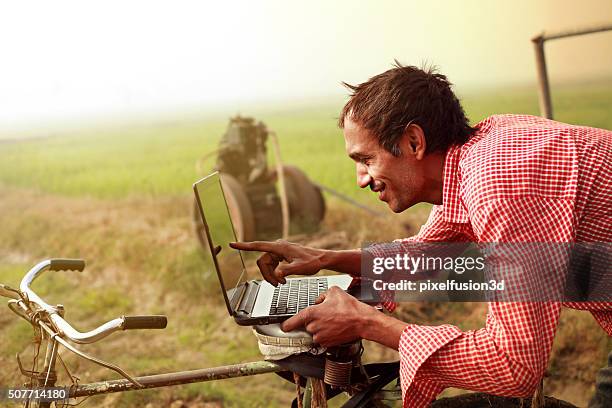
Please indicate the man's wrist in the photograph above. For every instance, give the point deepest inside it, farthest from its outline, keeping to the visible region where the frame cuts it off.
(345, 261)
(381, 328)
(326, 259)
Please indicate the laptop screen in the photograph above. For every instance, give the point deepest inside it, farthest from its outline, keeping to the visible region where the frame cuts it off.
(220, 232)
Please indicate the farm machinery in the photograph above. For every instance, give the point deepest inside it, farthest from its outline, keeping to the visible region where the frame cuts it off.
(264, 202)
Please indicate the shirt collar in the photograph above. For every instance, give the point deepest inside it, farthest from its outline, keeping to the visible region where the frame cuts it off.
(452, 206)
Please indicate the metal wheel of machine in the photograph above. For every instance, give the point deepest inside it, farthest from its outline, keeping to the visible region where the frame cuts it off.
(239, 208)
(306, 203)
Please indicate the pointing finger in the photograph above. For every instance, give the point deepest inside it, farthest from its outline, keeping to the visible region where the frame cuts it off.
(261, 246)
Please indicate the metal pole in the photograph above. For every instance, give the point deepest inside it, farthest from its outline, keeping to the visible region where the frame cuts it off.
(307, 400)
(573, 33)
(543, 85)
(183, 377)
(538, 43)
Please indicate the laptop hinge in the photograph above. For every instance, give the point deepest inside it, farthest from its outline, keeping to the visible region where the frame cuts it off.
(247, 302)
(236, 296)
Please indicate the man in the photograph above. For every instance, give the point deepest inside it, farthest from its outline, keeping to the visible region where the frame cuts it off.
(511, 178)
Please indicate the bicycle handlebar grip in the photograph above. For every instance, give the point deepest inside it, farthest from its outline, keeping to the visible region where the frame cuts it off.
(145, 322)
(60, 264)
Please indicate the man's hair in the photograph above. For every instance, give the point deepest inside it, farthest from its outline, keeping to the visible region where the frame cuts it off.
(390, 101)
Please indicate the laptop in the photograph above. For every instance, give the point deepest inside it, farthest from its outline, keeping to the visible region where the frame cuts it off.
(251, 301)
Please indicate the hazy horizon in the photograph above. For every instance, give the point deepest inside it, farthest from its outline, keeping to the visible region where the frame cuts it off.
(70, 61)
(198, 112)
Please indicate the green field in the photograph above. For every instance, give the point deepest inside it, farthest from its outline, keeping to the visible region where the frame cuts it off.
(119, 195)
(159, 158)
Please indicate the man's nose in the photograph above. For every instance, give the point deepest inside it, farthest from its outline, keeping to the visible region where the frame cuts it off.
(363, 178)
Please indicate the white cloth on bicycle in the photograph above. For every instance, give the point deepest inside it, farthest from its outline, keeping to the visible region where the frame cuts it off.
(275, 344)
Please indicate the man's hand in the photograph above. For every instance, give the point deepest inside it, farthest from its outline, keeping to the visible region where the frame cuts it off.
(282, 258)
(337, 318)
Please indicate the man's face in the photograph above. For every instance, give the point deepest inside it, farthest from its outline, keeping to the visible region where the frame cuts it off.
(398, 181)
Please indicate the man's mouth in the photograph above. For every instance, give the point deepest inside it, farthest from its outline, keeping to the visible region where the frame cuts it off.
(378, 187)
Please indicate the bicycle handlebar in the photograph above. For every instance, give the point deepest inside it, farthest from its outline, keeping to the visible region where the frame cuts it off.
(67, 265)
(144, 322)
(122, 323)
(35, 272)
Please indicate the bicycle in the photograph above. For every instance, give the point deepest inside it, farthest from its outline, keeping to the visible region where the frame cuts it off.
(370, 385)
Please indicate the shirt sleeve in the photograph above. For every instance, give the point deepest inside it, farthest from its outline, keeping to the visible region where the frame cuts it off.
(509, 355)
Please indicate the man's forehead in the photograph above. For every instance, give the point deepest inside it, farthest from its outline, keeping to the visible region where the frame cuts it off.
(357, 139)
(353, 126)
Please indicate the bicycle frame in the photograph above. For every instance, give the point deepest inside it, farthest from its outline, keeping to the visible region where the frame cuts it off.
(177, 378)
(54, 331)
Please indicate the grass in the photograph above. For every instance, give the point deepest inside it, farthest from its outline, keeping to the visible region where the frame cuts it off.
(120, 197)
(152, 160)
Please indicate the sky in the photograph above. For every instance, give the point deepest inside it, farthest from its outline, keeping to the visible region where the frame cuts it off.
(75, 59)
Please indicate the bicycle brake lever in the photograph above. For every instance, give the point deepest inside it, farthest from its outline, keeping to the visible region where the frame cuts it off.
(13, 305)
(7, 291)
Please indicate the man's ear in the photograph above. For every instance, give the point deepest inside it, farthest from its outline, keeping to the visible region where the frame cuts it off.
(413, 141)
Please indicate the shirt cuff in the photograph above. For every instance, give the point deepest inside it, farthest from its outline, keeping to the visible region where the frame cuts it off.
(417, 344)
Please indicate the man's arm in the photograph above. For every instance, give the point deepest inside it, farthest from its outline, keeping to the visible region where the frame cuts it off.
(509, 355)
(383, 329)
(281, 258)
(344, 261)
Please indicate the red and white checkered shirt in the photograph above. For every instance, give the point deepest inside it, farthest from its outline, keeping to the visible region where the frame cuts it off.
(518, 179)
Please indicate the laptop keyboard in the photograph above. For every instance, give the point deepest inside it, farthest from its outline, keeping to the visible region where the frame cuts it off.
(296, 294)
